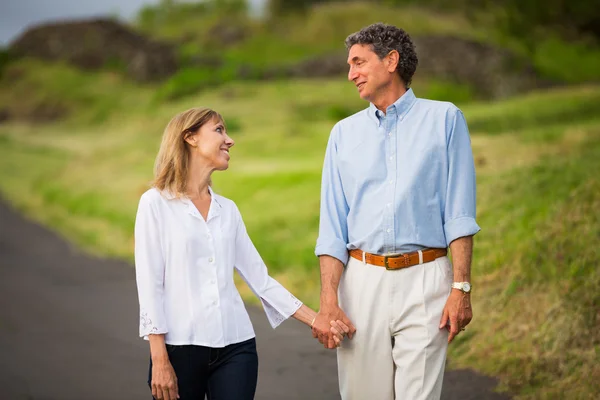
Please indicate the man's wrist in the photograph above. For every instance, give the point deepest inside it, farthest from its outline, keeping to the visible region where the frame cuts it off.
(462, 286)
(329, 301)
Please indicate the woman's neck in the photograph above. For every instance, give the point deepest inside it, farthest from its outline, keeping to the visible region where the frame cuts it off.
(198, 179)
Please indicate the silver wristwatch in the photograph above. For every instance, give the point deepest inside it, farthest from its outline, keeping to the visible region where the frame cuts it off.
(464, 287)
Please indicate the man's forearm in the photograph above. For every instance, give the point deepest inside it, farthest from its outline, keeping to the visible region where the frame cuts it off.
(331, 272)
(462, 251)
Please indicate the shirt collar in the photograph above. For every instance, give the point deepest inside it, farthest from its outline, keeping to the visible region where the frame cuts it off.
(214, 198)
(215, 204)
(399, 108)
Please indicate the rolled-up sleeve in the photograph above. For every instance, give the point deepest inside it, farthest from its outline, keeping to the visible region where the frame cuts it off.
(333, 225)
(149, 270)
(279, 304)
(459, 213)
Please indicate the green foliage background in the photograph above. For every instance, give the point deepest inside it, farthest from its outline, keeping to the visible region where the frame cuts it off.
(535, 268)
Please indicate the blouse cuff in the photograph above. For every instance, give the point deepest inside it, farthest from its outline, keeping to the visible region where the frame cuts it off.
(276, 315)
(149, 326)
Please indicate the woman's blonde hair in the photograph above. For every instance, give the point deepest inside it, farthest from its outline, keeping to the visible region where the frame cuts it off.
(171, 165)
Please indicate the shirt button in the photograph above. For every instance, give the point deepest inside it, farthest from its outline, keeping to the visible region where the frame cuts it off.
(210, 260)
(391, 181)
(389, 204)
(391, 157)
(214, 303)
(389, 230)
(389, 133)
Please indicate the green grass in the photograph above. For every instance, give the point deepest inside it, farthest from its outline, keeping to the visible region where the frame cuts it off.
(538, 156)
(536, 269)
(537, 110)
(32, 90)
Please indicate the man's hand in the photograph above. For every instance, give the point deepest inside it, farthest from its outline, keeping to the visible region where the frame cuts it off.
(457, 312)
(321, 328)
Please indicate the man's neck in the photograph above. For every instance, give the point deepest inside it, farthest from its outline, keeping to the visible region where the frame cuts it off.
(389, 96)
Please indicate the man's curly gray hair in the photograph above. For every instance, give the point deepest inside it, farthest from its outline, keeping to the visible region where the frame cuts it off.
(385, 38)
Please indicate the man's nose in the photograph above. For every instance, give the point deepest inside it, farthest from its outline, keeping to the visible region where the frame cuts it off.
(352, 74)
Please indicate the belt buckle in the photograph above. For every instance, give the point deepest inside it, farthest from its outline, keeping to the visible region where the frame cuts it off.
(386, 257)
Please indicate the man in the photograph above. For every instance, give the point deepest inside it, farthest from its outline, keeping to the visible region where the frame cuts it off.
(398, 188)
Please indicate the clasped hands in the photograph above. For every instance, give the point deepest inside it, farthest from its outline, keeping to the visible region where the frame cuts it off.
(331, 326)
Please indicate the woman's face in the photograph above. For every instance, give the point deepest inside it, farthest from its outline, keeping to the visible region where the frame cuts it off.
(212, 144)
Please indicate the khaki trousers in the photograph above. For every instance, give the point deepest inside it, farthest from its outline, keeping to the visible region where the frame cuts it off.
(398, 351)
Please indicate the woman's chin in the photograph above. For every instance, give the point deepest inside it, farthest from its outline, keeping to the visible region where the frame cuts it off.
(223, 165)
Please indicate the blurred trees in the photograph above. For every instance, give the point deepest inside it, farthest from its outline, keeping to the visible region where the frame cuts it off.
(521, 17)
(517, 17)
(280, 7)
(569, 17)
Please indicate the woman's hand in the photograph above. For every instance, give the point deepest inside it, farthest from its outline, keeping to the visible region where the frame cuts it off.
(339, 330)
(164, 381)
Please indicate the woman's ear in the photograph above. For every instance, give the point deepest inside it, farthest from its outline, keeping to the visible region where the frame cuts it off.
(189, 137)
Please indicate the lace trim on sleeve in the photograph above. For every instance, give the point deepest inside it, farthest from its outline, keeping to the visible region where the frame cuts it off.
(274, 316)
(146, 324)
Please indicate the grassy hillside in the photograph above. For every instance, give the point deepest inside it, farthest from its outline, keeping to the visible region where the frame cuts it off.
(535, 265)
(535, 270)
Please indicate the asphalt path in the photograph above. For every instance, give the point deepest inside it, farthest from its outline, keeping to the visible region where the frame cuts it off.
(69, 322)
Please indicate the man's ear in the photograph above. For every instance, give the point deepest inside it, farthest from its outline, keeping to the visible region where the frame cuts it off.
(393, 58)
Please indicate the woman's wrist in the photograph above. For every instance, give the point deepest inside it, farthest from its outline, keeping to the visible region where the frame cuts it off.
(158, 349)
(160, 359)
(305, 315)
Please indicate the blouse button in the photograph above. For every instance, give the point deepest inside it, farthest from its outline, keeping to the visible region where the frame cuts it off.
(210, 260)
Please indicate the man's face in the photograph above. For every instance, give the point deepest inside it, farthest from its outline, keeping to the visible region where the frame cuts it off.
(370, 74)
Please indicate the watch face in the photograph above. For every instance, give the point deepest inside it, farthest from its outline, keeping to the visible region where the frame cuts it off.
(466, 287)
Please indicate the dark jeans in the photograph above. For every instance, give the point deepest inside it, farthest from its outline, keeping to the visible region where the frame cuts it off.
(227, 373)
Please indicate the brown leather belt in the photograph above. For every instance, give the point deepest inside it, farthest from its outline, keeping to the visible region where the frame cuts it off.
(397, 261)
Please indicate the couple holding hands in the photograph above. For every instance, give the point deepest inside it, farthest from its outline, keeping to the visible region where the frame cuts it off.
(398, 190)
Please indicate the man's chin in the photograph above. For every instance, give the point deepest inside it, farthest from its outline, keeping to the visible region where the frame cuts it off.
(364, 94)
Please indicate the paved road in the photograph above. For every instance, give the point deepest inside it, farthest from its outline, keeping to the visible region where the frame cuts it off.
(68, 330)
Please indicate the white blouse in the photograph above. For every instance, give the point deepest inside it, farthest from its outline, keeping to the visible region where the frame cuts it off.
(184, 271)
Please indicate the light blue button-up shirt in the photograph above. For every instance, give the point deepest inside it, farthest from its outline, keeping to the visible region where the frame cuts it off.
(397, 182)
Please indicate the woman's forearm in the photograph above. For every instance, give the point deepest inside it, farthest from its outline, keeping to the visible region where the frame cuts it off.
(158, 349)
(305, 314)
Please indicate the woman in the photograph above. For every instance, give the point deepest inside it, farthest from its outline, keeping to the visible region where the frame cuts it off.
(188, 240)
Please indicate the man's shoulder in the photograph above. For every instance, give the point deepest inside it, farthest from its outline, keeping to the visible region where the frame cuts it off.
(437, 105)
(351, 120)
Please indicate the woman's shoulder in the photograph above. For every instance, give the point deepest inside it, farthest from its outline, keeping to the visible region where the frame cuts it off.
(154, 196)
